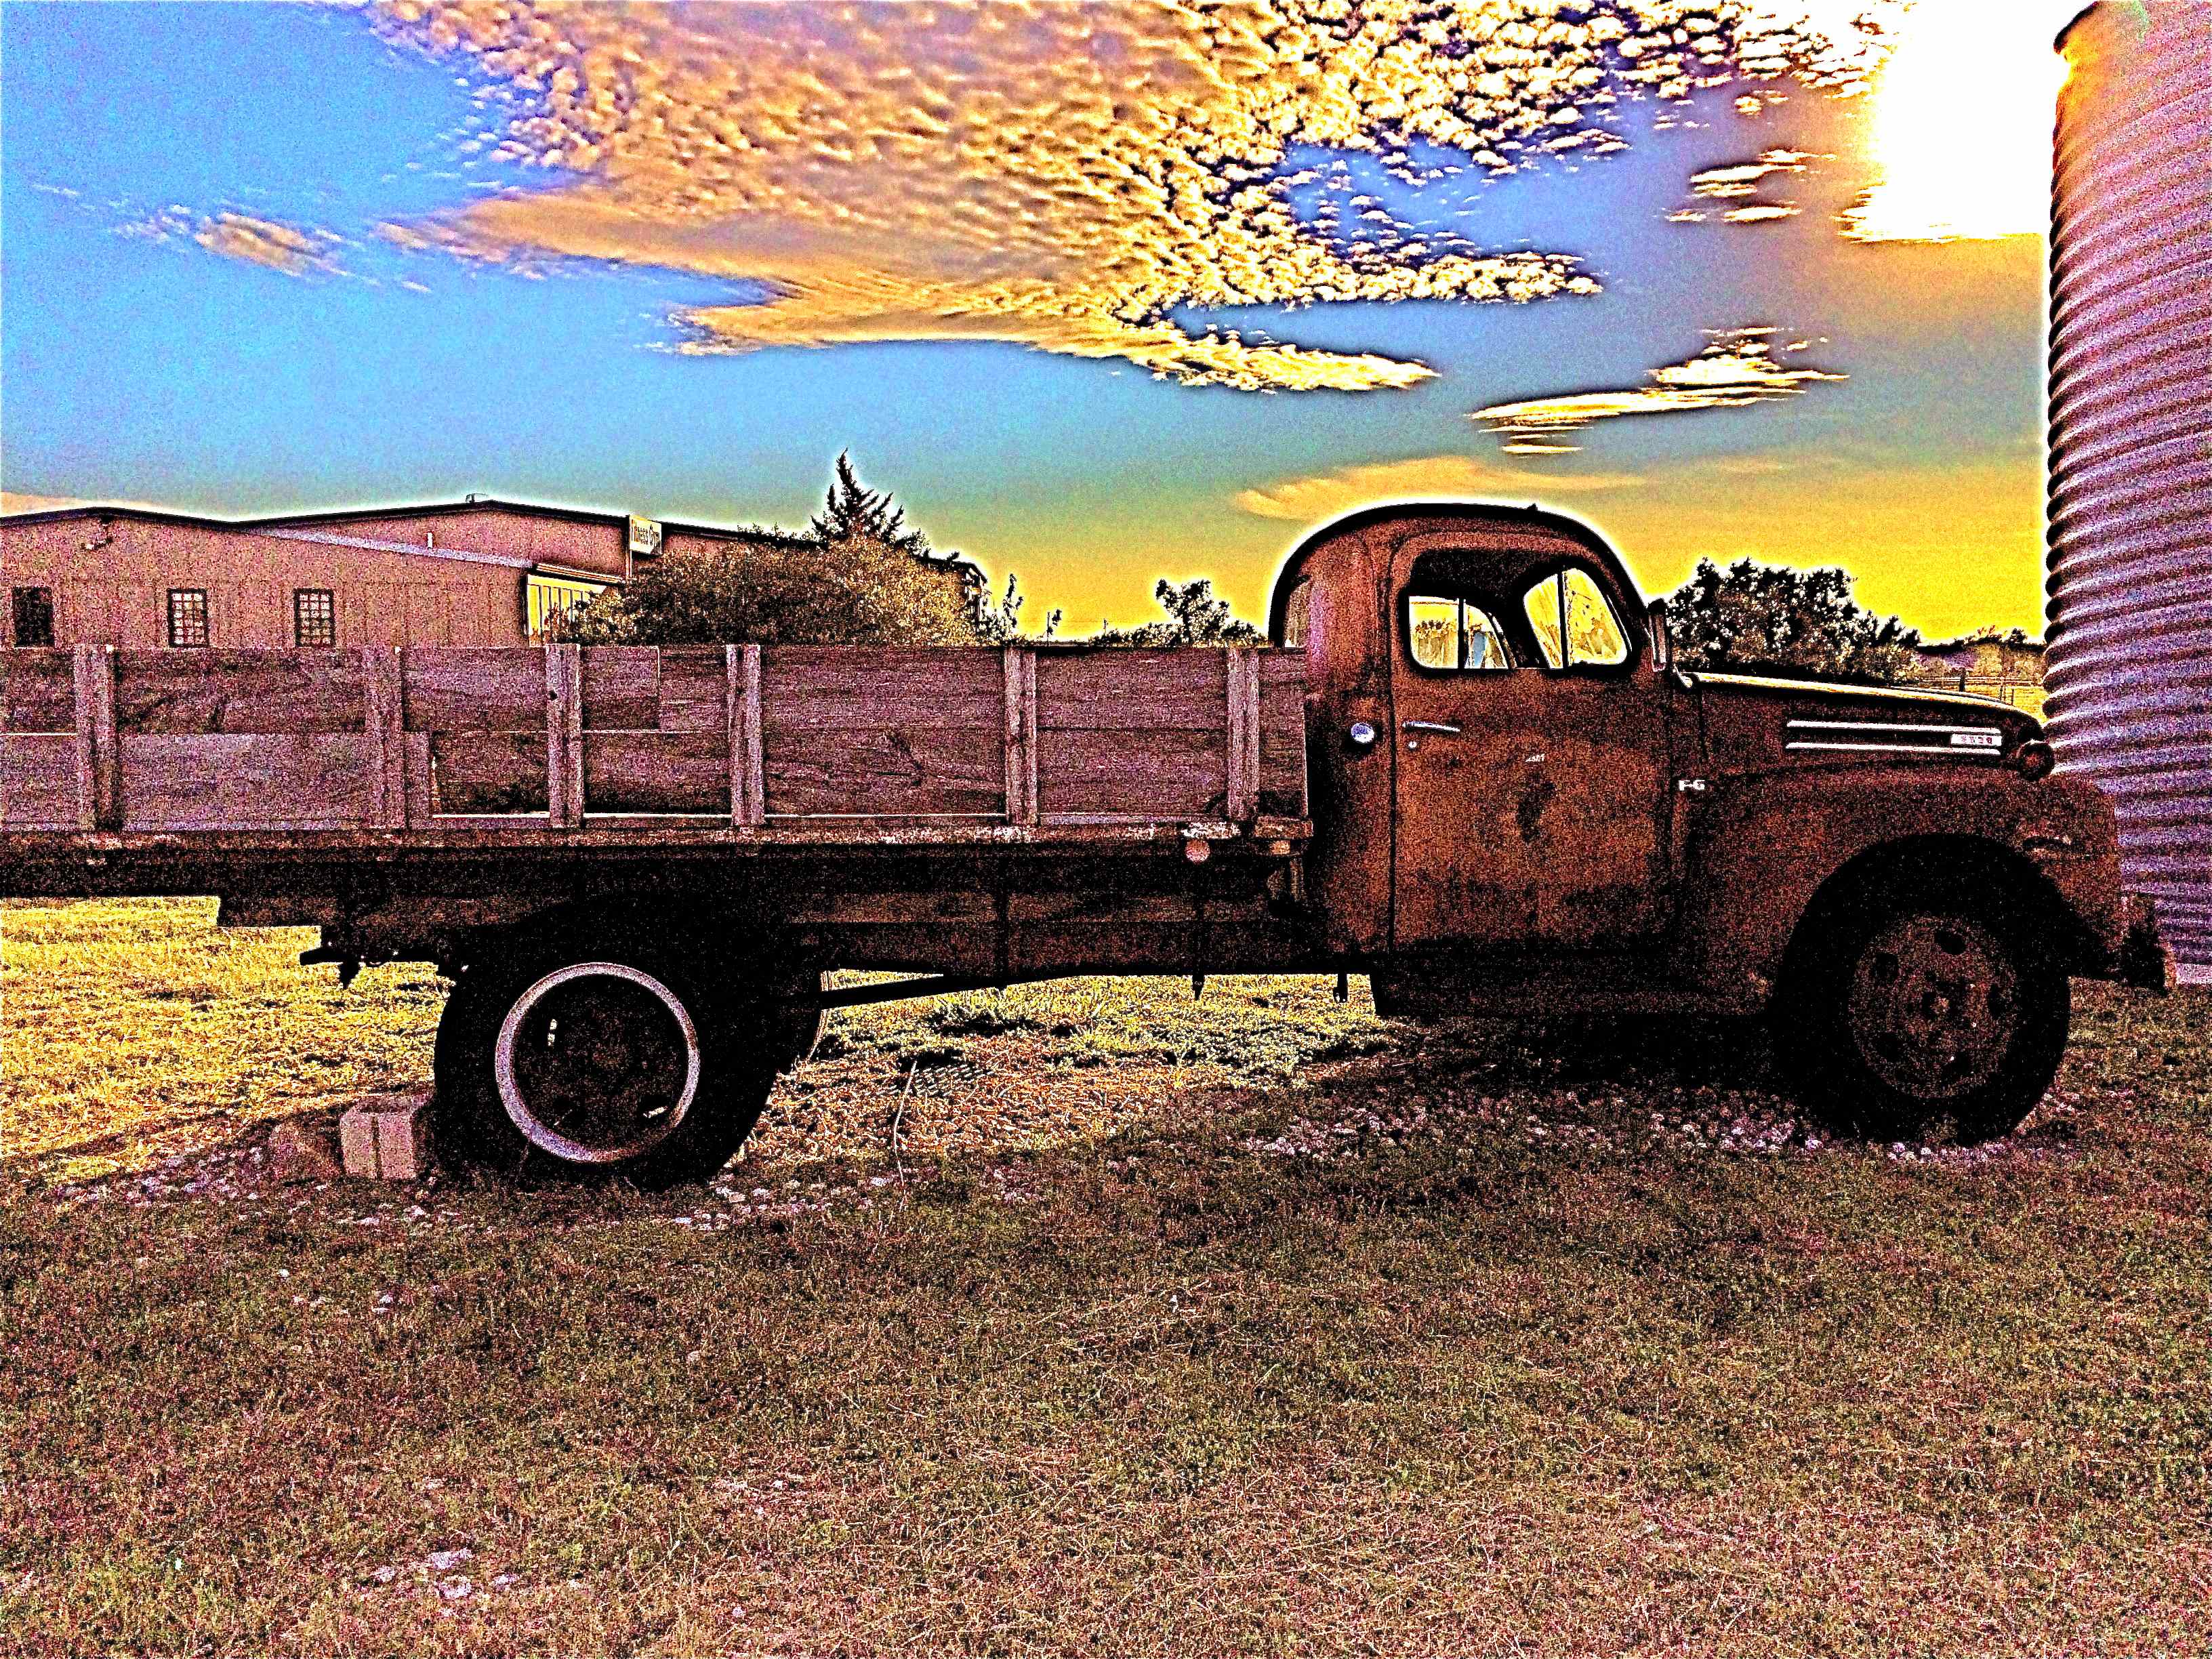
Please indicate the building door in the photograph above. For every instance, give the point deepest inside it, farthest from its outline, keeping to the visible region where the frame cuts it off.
(1534, 777)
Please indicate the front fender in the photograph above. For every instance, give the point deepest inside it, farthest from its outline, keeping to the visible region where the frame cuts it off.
(1760, 848)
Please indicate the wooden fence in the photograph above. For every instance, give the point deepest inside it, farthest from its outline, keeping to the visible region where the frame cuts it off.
(738, 740)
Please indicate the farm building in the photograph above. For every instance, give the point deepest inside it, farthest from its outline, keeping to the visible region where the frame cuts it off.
(2129, 670)
(476, 572)
(2007, 666)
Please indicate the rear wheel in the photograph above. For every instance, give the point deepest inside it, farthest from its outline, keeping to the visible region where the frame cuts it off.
(1918, 1007)
(798, 1021)
(601, 1061)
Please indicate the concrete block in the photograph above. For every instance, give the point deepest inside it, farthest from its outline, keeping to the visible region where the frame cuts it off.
(357, 1142)
(403, 1143)
(386, 1138)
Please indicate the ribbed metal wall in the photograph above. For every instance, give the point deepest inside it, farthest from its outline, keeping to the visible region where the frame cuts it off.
(2129, 673)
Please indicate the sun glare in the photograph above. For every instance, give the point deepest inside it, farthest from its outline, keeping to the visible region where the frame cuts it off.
(1960, 138)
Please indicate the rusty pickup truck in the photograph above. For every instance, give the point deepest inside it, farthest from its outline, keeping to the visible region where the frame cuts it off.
(1463, 765)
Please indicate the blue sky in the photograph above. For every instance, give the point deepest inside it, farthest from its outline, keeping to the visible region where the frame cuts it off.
(258, 257)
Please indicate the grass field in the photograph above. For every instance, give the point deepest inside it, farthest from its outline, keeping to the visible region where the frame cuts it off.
(1080, 1319)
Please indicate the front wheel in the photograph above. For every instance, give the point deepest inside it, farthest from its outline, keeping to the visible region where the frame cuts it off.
(598, 1060)
(1919, 1008)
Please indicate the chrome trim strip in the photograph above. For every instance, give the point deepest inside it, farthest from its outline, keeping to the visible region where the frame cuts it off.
(1945, 753)
(1884, 725)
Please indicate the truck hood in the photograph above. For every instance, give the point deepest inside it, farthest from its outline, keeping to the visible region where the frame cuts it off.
(1754, 724)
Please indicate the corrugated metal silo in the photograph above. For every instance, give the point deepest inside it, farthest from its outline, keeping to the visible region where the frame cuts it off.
(2131, 543)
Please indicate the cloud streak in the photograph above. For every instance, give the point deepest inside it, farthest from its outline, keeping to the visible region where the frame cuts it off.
(1321, 496)
(292, 250)
(287, 248)
(1739, 183)
(1738, 367)
(1077, 179)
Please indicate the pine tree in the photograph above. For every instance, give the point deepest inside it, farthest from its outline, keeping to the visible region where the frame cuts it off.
(853, 513)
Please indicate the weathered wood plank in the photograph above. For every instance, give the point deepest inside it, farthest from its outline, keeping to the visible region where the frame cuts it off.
(622, 688)
(840, 687)
(1282, 746)
(1175, 775)
(486, 773)
(418, 780)
(98, 786)
(306, 780)
(745, 773)
(38, 690)
(1119, 691)
(564, 731)
(238, 691)
(383, 723)
(693, 686)
(656, 772)
(488, 689)
(1021, 679)
(38, 780)
(902, 772)
(1240, 677)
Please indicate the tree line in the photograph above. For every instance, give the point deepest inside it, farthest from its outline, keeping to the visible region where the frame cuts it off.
(861, 574)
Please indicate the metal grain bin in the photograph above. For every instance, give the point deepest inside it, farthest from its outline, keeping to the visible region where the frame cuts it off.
(2129, 671)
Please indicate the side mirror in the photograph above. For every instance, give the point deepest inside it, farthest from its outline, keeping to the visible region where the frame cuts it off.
(1662, 645)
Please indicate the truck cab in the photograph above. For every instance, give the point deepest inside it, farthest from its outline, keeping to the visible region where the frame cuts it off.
(1521, 804)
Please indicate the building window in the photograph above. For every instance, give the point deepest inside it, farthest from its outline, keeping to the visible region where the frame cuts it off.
(35, 616)
(553, 603)
(188, 616)
(315, 616)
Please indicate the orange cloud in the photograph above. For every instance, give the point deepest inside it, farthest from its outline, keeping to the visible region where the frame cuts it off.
(288, 248)
(1071, 178)
(1739, 366)
(291, 249)
(1322, 495)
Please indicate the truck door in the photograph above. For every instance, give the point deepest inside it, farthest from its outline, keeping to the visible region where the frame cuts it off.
(1534, 780)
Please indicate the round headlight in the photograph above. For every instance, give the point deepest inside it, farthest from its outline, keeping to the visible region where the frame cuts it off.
(2035, 759)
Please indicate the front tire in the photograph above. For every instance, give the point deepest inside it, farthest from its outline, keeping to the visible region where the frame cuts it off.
(594, 1061)
(1915, 1007)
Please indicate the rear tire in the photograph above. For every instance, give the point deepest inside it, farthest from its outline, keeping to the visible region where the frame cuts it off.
(598, 1060)
(1914, 1007)
(798, 1022)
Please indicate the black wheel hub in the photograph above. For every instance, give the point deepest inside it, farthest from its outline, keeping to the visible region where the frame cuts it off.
(1933, 1005)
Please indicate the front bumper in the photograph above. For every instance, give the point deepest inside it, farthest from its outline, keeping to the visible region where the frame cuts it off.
(2146, 961)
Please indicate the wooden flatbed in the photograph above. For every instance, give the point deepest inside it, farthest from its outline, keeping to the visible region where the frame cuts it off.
(381, 753)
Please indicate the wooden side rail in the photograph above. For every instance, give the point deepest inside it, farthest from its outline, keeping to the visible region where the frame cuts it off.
(430, 739)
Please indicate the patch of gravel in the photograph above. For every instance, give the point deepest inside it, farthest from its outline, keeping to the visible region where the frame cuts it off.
(1703, 1121)
(1370, 1117)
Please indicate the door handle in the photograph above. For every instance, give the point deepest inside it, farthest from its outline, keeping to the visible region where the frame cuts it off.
(1430, 725)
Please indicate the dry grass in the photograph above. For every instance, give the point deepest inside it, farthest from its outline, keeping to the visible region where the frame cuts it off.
(1264, 1326)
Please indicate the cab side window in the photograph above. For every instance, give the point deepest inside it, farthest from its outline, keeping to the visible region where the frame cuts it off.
(1573, 623)
(1295, 612)
(1454, 634)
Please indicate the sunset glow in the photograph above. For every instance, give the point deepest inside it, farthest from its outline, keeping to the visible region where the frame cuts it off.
(1105, 293)
(1963, 113)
